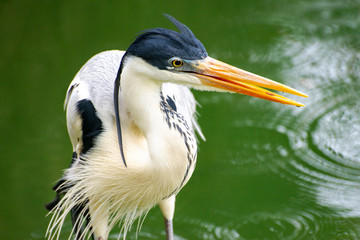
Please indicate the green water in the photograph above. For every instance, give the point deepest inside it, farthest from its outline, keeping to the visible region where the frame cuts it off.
(266, 171)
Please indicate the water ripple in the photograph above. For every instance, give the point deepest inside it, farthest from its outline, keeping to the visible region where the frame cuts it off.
(278, 226)
(327, 153)
(325, 135)
(286, 224)
(323, 157)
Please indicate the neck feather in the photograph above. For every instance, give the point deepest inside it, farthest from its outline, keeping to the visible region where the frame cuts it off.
(142, 96)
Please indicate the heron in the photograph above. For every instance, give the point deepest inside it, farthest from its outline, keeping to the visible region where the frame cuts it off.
(132, 122)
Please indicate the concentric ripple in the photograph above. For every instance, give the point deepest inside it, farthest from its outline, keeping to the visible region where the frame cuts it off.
(255, 226)
(325, 135)
(342, 139)
(277, 226)
(288, 224)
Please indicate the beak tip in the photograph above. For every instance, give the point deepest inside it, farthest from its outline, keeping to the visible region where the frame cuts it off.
(303, 95)
(298, 104)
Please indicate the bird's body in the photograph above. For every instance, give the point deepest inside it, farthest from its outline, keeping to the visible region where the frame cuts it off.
(97, 164)
(124, 164)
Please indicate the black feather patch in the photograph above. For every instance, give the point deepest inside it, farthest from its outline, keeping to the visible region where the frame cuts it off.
(91, 124)
(171, 103)
(77, 212)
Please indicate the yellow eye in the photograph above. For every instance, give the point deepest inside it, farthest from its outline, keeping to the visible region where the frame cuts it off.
(177, 63)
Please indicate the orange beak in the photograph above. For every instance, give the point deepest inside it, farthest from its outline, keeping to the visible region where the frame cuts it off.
(220, 75)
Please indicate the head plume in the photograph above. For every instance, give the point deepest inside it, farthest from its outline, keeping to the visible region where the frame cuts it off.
(156, 46)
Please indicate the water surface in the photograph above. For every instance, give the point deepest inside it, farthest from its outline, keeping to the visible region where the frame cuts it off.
(266, 171)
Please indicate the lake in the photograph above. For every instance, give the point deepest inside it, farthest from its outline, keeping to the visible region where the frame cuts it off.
(266, 170)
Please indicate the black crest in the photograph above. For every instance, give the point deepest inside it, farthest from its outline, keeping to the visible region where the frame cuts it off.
(158, 45)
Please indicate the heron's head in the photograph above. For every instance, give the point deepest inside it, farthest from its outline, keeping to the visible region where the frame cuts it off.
(179, 57)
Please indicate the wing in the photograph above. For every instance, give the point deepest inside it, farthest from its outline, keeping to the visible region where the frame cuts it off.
(181, 99)
(89, 99)
(92, 90)
(89, 107)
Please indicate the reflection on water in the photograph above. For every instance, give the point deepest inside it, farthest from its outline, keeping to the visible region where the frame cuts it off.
(325, 136)
(323, 157)
(342, 125)
(328, 154)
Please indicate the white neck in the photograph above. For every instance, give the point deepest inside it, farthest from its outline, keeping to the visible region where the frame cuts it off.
(141, 95)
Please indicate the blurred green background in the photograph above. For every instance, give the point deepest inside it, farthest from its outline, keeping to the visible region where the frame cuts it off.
(266, 171)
